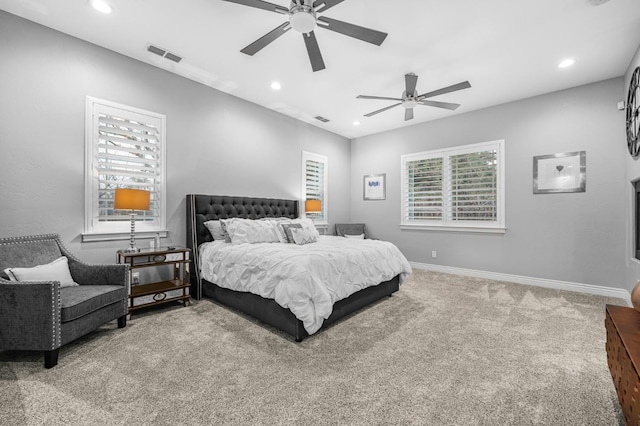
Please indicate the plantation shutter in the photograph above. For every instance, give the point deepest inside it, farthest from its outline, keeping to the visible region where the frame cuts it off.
(423, 189)
(473, 186)
(315, 184)
(125, 149)
(128, 156)
(461, 187)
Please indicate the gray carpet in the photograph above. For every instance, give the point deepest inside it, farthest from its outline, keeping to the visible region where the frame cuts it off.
(444, 350)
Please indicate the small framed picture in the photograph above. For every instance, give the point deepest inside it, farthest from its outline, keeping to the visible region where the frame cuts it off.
(374, 187)
(560, 173)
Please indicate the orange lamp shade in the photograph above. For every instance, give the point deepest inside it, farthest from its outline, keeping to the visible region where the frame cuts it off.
(313, 206)
(131, 199)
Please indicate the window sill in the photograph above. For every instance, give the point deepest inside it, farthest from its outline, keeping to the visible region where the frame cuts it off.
(443, 228)
(90, 237)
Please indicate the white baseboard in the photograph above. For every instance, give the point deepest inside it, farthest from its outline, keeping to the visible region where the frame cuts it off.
(538, 282)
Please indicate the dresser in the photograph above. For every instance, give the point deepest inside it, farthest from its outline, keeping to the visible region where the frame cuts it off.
(623, 357)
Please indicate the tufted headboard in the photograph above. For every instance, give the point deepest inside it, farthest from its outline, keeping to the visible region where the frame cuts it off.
(201, 208)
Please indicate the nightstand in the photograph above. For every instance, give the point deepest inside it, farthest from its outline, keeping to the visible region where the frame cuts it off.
(159, 292)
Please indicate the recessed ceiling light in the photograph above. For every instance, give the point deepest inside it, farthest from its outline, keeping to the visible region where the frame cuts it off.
(356, 123)
(276, 86)
(101, 6)
(566, 63)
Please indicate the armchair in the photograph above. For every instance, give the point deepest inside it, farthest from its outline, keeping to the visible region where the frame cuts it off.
(343, 229)
(43, 315)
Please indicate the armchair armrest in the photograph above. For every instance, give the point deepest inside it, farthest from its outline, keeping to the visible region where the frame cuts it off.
(30, 315)
(86, 274)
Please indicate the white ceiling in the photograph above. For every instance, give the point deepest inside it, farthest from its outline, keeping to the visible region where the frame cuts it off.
(506, 49)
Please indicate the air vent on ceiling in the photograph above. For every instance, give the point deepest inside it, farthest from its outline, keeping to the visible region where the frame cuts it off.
(321, 118)
(164, 53)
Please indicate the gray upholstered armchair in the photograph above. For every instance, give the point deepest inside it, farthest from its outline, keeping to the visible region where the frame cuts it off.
(44, 315)
(343, 229)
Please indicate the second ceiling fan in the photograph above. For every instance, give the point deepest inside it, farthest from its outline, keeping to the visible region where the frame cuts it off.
(410, 97)
(303, 18)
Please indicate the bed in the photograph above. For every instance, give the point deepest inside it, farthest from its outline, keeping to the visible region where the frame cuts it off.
(205, 208)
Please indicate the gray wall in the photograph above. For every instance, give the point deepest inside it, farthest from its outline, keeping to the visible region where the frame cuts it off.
(577, 237)
(216, 143)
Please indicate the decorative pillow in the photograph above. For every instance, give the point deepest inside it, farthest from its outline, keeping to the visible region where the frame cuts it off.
(286, 229)
(277, 225)
(251, 231)
(216, 230)
(58, 270)
(307, 224)
(303, 236)
(361, 236)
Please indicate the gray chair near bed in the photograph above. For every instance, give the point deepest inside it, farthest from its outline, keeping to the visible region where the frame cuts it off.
(343, 229)
(43, 315)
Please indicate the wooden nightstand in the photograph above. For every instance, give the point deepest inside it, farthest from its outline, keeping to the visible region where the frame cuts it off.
(176, 258)
(623, 357)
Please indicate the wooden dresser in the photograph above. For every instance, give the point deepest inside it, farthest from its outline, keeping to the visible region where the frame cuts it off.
(623, 357)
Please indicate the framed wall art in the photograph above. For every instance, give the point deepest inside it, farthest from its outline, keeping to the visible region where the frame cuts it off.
(557, 173)
(374, 187)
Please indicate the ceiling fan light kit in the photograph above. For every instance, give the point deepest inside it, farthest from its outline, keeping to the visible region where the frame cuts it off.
(304, 19)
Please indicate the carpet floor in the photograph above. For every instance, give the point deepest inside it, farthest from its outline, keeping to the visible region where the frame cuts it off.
(444, 350)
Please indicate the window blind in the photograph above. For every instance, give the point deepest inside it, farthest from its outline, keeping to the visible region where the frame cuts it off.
(473, 187)
(127, 156)
(315, 184)
(423, 187)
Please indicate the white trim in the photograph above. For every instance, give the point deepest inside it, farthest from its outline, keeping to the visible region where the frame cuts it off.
(89, 237)
(458, 228)
(91, 125)
(445, 224)
(537, 282)
(306, 155)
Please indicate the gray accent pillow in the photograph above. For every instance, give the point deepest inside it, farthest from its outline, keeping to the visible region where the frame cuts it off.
(286, 227)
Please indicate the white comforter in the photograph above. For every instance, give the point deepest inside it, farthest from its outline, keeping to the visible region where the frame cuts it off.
(306, 279)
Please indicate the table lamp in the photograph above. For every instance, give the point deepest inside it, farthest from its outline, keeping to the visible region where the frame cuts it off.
(313, 206)
(131, 199)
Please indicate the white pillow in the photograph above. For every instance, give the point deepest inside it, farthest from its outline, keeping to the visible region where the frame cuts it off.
(361, 236)
(251, 231)
(58, 270)
(303, 236)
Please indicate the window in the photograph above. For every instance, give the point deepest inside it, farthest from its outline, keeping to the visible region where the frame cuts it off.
(124, 148)
(314, 183)
(458, 188)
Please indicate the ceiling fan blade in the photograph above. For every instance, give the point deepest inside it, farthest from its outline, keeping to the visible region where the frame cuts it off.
(351, 30)
(410, 81)
(445, 105)
(377, 97)
(408, 114)
(382, 110)
(259, 4)
(263, 41)
(448, 89)
(313, 50)
(327, 4)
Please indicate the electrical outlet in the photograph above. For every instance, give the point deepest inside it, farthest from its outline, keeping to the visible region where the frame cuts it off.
(434, 254)
(135, 278)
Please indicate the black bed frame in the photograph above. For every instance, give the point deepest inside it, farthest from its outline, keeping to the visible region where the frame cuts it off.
(201, 208)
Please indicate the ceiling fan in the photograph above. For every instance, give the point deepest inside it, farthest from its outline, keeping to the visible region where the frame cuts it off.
(410, 97)
(303, 18)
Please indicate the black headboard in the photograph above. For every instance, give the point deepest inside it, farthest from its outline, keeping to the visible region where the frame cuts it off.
(201, 208)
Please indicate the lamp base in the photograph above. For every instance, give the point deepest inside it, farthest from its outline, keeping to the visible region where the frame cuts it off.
(132, 249)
